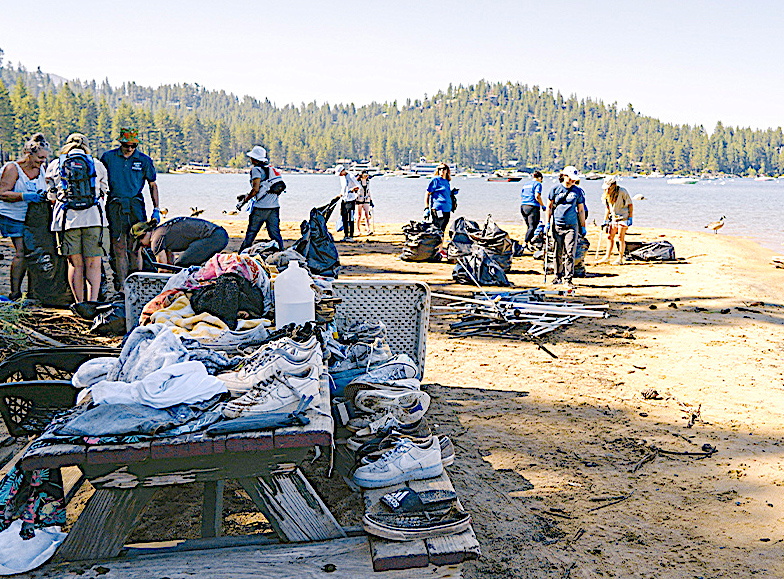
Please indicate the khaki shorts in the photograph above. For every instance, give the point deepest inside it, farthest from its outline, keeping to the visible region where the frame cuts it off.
(84, 241)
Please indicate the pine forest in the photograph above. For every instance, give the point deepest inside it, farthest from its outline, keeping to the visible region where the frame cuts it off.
(483, 126)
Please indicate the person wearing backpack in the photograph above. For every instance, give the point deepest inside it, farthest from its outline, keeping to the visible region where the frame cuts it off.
(266, 185)
(21, 182)
(129, 170)
(78, 184)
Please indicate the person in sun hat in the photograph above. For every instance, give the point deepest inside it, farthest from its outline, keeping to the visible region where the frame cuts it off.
(566, 219)
(618, 211)
(82, 236)
(266, 185)
(129, 170)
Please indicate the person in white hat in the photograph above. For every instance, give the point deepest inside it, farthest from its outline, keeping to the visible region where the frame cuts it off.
(349, 190)
(266, 185)
(618, 211)
(566, 214)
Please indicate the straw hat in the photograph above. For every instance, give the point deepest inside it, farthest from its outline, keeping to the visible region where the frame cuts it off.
(75, 141)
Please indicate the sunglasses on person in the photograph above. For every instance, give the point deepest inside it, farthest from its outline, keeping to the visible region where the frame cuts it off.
(128, 145)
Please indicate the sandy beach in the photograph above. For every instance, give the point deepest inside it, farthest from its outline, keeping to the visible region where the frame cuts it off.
(547, 448)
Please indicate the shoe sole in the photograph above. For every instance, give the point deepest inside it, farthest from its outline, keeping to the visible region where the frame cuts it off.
(398, 534)
(419, 474)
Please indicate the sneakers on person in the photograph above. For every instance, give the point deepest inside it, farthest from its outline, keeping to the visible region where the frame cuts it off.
(618, 261)
(568, 284)
(393, 399)
(421, 525)
(295, 363)
(278, 391)
(406, 461)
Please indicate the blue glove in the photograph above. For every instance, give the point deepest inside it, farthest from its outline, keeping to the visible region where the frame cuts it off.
(583, 231)
(547, 227)
(156, 214)
(629, 221)
(37, 197)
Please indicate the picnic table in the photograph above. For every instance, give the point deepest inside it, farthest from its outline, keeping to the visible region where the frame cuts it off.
(126, 477)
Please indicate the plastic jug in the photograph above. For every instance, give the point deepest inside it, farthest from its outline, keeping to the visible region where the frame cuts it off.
(294, 298)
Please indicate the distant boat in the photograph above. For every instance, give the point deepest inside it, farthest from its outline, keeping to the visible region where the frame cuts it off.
(764, 178)
(682, 181)
(427, 168)
(593, 176)
(498, 179)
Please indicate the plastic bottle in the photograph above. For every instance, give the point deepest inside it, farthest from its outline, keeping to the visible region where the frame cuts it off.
(294, 298)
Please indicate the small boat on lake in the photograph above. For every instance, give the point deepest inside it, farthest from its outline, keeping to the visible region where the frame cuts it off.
(764, 178)
(682, 181)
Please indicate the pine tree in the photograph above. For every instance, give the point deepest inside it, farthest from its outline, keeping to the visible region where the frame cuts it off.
(6, 123)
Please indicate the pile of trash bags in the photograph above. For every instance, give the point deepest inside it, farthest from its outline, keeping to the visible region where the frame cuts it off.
(423, 242)
(465, 234)
(479, 268)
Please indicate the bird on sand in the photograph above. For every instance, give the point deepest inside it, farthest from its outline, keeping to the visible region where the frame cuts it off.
(716, 225)
(639, 197)
(195, 211)
(229, 212)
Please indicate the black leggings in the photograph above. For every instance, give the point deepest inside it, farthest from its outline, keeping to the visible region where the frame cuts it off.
(201, 250)
(347, 213)
(440, 222)
(531, 217)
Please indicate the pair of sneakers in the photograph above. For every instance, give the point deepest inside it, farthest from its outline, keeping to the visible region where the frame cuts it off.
(290, 354)
(404, 462)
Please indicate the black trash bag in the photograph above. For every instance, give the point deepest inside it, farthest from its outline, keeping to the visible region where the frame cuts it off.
(579, 258)
(316, 243)
(484, 269)
(460, 242)
(654, 251)
(423, 242)
(226, 296)
(110, 322)
(47, 272)
(496, 242)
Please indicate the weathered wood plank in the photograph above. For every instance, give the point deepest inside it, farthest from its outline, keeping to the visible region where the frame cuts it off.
(338, 558)
(73, 479)
(105, 524)
(212, 509)
(286, 531)
(249, 441)
(185, 445)
(118, 453)
(56, 455)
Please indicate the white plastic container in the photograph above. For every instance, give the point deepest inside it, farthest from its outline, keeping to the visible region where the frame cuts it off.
(294, 298)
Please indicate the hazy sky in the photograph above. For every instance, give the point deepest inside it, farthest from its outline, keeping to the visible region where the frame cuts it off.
(682, 61)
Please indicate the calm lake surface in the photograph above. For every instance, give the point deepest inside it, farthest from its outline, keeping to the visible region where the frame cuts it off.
(753, 209)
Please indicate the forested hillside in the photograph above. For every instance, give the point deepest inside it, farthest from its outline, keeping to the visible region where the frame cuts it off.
(482, 126)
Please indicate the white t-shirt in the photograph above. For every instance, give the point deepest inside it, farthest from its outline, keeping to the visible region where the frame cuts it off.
(74, 219)
(347, 184)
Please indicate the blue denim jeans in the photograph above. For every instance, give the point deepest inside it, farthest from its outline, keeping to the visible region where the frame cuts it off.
(259, 217)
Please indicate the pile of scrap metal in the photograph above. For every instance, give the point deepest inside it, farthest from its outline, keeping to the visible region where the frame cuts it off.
(523, 314)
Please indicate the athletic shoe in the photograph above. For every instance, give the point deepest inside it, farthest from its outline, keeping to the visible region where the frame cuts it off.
(232, 341)
(405, 462)
(362, 356)
(557, 281)
(365, 332)
(244, 379)
(401, 367)
(277, 392)
(379, 443)
(389, 425)
(399, 401)
(568, 284)
(411, 526)
(447, 449)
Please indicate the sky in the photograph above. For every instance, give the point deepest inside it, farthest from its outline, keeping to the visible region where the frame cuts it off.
(682, 61)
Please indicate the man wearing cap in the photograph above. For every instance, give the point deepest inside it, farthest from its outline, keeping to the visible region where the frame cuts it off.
(566, 215)
(81, 233)
(129, 170)
(266, 185)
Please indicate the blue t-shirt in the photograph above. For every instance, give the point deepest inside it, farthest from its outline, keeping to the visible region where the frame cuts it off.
(565, 203)
(440, 194)
(127, 176)
(529, 192)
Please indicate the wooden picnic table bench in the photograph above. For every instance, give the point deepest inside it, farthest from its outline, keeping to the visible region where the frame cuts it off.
(126, 477)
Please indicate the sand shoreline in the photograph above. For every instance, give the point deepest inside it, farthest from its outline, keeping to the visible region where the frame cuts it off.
(541, 441)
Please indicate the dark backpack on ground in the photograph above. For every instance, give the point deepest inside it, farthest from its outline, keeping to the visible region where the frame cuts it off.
(316, 243)
(655, 251)
(484, 269)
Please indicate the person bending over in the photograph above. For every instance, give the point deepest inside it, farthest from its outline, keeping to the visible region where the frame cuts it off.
(618, 211)
(21, 182)
(196, 239)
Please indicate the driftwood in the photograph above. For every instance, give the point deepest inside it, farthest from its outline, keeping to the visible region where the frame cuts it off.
(611, 503)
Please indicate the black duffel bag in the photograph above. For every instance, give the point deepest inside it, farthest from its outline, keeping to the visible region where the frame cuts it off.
(654, 251)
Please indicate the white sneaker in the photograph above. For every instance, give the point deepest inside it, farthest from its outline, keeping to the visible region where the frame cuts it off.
(361, 356)
(257, 368)
(406, 461)
(382, 423)
(277, 393)
(233, 340)
(407, 405)
(398, 368)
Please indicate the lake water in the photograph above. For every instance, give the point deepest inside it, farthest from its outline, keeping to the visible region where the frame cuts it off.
(753, 209)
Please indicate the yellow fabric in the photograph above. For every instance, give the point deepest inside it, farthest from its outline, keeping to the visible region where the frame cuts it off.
(187, 323)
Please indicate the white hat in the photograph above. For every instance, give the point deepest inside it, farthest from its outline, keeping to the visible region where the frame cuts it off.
(609, 180)
(259, 153)
(570, 172)
(339, 169)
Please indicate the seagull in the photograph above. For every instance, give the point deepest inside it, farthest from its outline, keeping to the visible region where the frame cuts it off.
(639, 197)
(716, 225)
(229, 212)
(195, 211)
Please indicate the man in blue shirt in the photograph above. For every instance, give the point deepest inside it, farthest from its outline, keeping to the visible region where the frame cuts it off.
(128, 170)
(530, 206)
(566, 207)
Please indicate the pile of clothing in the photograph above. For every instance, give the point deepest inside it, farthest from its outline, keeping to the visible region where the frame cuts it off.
(378, 398)
(423, 242)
